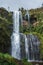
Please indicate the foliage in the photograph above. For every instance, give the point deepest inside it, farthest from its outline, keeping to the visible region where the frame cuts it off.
(6, 59)
(25, 62)
(22, 10)
(5, 32)
(37, 28)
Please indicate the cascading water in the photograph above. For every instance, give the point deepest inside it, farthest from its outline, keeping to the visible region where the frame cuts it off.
(23, 46)
(15, 41)
(31, 44)
(26, 47)
(33, 47)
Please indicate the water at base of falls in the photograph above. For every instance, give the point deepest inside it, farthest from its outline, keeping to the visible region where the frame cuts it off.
(15, 46)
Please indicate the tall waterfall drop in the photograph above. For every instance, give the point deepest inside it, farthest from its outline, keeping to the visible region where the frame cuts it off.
(15, 36)
(23, 46)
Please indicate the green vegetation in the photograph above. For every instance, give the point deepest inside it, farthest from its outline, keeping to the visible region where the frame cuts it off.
(24, 61)
(6, 59)
(6, 31)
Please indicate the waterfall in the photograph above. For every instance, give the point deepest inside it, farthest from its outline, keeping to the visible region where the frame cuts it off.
(15, 38)
(23, 46)
(16, 22)
(26, 47)
(32, 47)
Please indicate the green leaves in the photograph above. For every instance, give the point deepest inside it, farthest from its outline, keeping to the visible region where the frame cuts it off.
(25, 62)
(6, 59)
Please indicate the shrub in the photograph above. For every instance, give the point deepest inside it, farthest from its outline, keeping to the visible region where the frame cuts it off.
(6, 59)
(25, 62)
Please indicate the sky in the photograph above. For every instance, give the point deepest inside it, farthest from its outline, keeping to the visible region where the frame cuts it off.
(16, 4)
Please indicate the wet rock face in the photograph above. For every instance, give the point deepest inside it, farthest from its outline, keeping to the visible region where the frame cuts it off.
(33, 47)
(22, 46)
